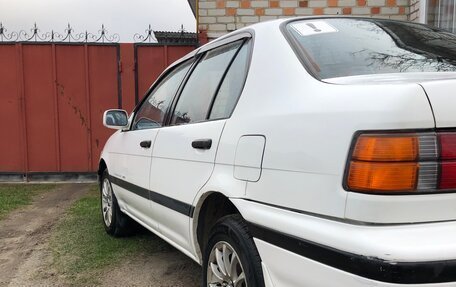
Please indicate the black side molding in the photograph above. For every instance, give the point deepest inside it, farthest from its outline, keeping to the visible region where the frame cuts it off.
(367, 267)
(171, 203)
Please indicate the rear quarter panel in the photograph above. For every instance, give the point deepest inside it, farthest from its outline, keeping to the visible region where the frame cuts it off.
(443, 100)
(309, 126)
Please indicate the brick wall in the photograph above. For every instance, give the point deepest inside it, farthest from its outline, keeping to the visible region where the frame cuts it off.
(414, 10)
(218, 17)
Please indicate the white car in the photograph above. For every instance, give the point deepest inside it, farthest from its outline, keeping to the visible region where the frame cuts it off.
(299, 152)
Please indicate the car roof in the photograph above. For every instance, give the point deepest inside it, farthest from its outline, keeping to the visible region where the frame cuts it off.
(267, 25)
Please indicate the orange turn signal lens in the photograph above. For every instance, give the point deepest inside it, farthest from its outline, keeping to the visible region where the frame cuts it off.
(377, 147)
(378, 177)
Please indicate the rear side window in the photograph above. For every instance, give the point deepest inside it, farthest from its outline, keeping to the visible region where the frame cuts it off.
(232, 85)
(195, 99)
(349, 47)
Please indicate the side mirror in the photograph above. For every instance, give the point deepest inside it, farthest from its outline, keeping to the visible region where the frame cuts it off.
(115, 119)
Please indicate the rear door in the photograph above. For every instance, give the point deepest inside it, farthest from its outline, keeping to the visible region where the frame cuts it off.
(131, 160)
(184, 152)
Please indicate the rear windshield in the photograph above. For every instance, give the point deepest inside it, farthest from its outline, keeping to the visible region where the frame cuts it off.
(340, 47)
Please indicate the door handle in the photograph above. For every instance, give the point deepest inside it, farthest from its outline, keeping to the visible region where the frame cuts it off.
(202, 144)
(145, 144)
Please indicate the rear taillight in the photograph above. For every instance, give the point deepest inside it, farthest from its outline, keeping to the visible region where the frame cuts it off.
(447, 175)
(447, 145)
(400, 163)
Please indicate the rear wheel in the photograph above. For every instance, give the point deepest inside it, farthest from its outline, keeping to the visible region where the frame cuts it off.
(116, 222)
(231, 258)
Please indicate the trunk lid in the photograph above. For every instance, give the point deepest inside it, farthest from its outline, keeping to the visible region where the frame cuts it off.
(440, 88)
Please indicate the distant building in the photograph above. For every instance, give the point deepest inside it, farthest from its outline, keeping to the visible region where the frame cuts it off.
(218, 17)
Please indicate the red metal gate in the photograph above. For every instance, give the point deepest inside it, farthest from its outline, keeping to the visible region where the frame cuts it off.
(50, 94)
(151, 60)
(52, 97)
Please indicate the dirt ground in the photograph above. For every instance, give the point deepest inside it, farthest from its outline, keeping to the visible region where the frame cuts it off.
(25, 259)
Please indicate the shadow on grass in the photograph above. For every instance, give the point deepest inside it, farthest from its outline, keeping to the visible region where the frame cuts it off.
(82, 249)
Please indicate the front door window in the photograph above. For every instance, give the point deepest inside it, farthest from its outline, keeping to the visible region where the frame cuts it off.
(152, 112)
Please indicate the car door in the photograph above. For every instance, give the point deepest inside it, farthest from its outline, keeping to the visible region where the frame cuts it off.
(184, 152)
(131, 160)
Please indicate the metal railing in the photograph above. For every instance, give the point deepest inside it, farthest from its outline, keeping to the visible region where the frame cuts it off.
(101, 36)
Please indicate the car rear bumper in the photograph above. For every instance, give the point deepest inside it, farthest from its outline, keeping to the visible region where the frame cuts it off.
(303, 250)
(288, 269)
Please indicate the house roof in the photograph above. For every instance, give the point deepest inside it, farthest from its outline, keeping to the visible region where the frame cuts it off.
(192, 4)
(170, 38)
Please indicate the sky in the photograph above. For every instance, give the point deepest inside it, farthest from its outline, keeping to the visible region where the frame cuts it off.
(124, 17)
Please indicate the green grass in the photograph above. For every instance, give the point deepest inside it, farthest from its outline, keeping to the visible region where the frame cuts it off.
(13, 196)
(82, 249)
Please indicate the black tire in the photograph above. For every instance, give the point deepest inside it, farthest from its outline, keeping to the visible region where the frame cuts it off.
(121, 224)
(233, 230)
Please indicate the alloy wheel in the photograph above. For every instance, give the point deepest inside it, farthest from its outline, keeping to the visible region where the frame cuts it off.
(224, 267)
(106, 202)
